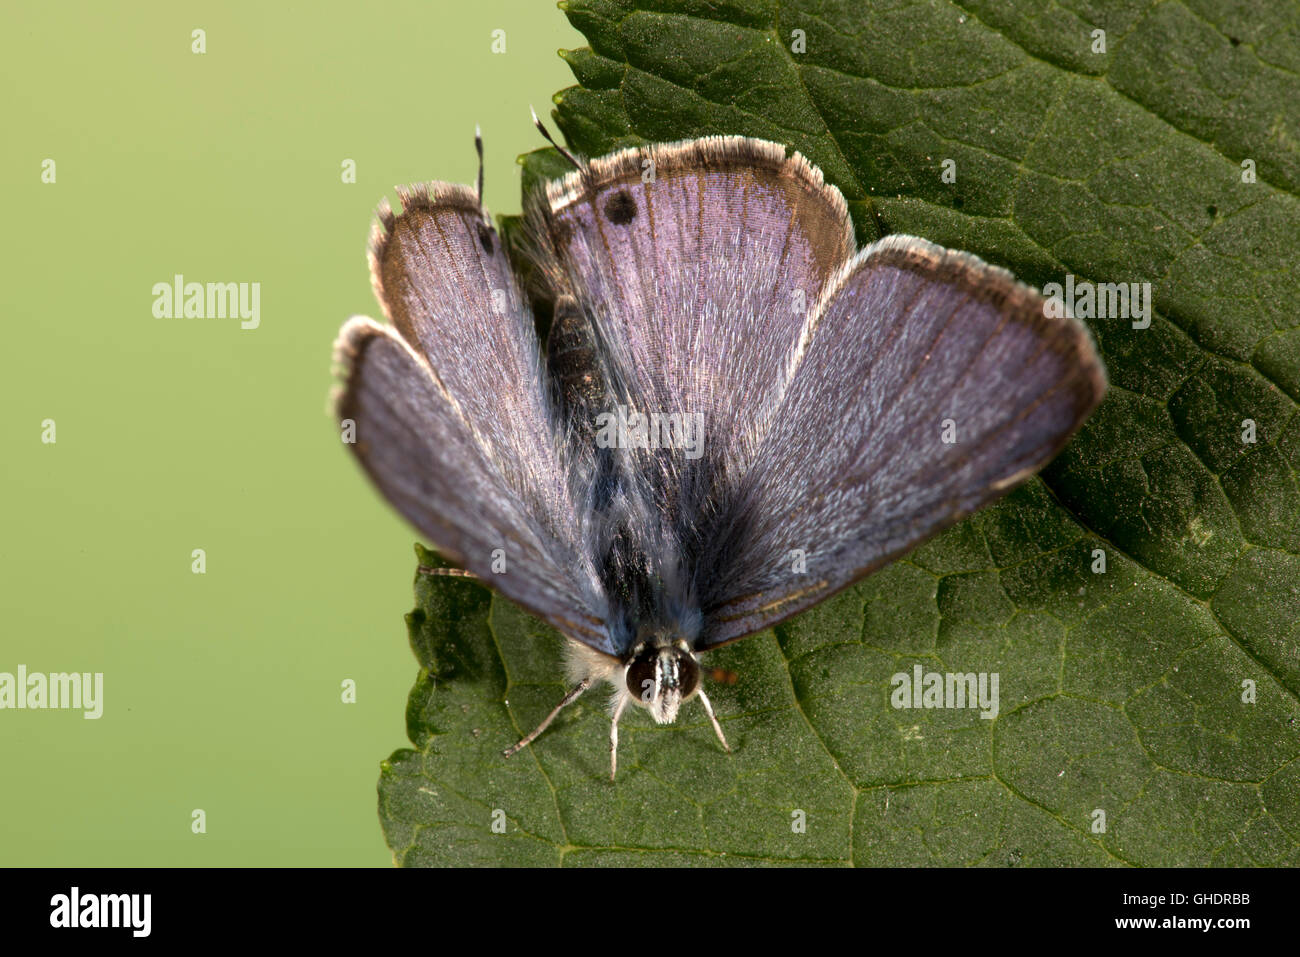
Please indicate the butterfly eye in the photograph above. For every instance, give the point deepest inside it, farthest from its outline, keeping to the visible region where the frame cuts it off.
(689, 674)
(641, 675)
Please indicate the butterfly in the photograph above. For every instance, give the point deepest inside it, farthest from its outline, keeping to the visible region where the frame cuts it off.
(736, 413)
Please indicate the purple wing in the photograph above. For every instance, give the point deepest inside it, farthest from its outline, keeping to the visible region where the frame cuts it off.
(450, 410)
(696, 265)
(926, 384)
(685, 272)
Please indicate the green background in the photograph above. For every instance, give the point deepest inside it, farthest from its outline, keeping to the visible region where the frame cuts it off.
(223, 690)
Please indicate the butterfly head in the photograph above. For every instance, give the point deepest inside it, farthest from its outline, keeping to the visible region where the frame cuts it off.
(661, 674)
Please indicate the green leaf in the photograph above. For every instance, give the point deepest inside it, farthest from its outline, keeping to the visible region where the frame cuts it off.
(1120, 692)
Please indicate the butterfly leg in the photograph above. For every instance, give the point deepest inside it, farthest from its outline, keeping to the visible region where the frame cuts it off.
(613, 735)
(568, 699)
(717, 728)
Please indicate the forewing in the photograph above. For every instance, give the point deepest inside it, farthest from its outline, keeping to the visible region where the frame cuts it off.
(451, 419)
(927, 384)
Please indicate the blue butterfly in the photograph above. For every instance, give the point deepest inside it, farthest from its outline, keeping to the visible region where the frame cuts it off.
(737, 413)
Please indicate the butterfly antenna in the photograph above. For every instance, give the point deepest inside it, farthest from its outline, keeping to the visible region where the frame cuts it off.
(551, 139)
(478, 146)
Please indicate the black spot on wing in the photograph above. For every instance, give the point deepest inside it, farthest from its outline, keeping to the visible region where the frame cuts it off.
(620, 208)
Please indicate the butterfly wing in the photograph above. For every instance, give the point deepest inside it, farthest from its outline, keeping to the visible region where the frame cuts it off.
(451, 418)
(926, 384)
(696, 264)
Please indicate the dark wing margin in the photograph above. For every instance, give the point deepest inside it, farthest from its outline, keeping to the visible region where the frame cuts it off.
(926, 384)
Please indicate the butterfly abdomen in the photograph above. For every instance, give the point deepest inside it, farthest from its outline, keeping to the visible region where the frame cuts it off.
(576, 376)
